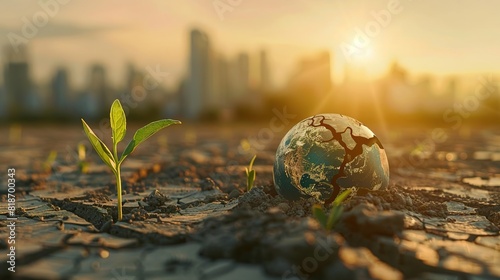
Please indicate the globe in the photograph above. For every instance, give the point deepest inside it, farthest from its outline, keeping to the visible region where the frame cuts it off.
(327, 153)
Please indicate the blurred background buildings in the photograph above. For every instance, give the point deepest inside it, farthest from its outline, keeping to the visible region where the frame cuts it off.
(221, 88)
(223, 84)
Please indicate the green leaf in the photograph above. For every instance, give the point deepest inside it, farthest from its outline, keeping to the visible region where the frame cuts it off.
(250, 178)
(100, 147)
(144, 133)
(118, 122)
(250, 174)
(320, 215)
(334, 216)
(251, 162)
(341, 197)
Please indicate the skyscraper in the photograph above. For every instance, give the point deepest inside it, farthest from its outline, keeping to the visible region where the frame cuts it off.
(60, 91)
(98, 87)
(313, 75)
(199, 81)
(218, 95)
(17, 82)
(265, 79)
(243, 68)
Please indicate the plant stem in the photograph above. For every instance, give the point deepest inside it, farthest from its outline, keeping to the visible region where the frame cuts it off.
(119, 193)
(118, 181)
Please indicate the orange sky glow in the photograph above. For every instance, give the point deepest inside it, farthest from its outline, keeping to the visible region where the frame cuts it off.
(438, 37)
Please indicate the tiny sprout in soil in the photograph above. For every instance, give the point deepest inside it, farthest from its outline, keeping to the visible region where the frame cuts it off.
(118, 129)
(329, 222)
(83, 164)
(250, 174)
(48, 164)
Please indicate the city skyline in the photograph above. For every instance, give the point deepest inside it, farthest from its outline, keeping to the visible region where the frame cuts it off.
(224, 87)
(214, 82)
(425, 37)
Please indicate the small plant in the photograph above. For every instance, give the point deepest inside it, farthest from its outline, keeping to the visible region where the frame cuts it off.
(83, 164)
(48, 164)
(328, 222)
(250, 174)
(118, 129)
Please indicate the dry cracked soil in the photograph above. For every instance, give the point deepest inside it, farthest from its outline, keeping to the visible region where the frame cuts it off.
(187, 214)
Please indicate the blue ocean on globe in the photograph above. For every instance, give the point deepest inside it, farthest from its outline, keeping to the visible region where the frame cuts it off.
(327, 153)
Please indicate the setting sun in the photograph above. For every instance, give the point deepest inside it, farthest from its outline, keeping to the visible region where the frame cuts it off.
(364, 56)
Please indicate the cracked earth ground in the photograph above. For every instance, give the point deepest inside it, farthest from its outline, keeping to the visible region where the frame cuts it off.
(187, 214)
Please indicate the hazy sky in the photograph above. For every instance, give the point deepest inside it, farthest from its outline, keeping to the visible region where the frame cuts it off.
(443, 37)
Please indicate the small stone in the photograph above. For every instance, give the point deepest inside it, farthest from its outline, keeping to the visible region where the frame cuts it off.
(399, 199)
(274, 210)
(234, 194)
(284, 207)
(169, 208)
(367, 219)
(409, 201)
(103, 253)
(254, 197)
(208, 184)
(156, 199)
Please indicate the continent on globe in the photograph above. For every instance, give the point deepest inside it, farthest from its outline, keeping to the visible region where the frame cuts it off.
(327, 153)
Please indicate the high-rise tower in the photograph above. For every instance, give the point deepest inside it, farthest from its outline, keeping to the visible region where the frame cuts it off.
(17, 82)
(199, 81)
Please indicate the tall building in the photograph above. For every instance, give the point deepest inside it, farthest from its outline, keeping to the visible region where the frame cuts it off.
(136, 92)
(199, 80)
(238, 75)
(98, 87)
(243, 68)
(219, 96)
(264, 73)
(217, 86)
(310, 85)
(88, 106)
(400, 96)
(313, 75)
(60, 93)
(135, 78)
(17, 82)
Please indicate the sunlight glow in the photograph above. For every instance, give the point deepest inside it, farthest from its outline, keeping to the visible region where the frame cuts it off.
(364, 57)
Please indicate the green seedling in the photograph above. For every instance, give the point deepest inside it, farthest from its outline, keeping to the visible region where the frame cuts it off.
(329, 222)
(118, 129)
(49, 162)
(250, 174)
(83, 164)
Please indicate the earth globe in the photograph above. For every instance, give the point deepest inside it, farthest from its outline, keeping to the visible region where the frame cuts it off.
(327, 153)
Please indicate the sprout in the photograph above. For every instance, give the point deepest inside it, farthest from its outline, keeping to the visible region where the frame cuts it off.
(118, 128)
(83, 165)
(328, 222)
(48, 164)
(250, 174)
